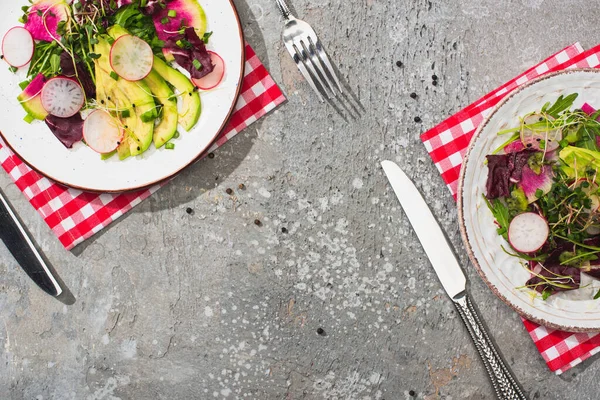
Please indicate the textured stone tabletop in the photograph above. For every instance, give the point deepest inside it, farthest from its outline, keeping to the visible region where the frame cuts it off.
(331, 295)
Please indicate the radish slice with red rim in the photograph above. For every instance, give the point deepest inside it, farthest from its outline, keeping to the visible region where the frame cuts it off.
(18, 46)
(547, 140)
(62, 97)
(528, 232)
(102, 132)
(131, 58)
(213, 79)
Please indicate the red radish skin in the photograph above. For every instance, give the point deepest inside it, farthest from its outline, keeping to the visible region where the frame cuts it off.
(62, 97)
(528, 232)
(18, 47)
(213, 79)
(43, 18)
(131, 58)
(102, 132)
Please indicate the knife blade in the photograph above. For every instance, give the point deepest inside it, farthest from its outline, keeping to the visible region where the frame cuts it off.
(452, 278)
(428, 231)
(21, 246)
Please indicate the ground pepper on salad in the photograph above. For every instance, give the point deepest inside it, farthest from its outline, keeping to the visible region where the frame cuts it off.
(543, 191)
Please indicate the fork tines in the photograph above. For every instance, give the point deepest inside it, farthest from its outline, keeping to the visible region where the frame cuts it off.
(307, 51)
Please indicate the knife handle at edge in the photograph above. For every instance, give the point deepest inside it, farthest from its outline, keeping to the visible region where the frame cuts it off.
(504, 383)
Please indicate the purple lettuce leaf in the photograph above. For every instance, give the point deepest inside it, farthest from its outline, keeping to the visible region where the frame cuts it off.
(82, 74)
(67, 130)
(195, 51)
(555, 273)
(505, 169)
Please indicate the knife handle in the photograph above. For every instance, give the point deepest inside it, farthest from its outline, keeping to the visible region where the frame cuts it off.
(505, 385)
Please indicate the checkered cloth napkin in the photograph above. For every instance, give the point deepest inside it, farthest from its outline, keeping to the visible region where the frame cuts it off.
(74, 215)
(447, 144)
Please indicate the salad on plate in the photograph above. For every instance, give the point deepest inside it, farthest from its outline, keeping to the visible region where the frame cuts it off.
(117, 75)
(543, 191)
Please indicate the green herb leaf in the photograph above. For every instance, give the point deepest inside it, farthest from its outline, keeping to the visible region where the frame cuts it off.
(23, 85)
(597, 295)
(149, 116)
(207, 36)
(29, 118)
(560, 105)
(169, 146)
(114, 75)
(501, 215)
(546, 293)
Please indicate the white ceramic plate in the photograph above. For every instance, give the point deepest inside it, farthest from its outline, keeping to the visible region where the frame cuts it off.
(575, 310)
(80, 167)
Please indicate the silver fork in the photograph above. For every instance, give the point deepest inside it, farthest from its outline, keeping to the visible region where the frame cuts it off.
(307, 51)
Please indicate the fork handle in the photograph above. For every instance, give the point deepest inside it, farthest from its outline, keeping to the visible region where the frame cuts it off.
(505, 385)
(283, 7)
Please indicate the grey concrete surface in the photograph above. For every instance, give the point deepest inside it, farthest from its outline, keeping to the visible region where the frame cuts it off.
(209, 305)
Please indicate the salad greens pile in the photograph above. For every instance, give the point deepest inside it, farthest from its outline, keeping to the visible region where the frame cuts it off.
(145, 96)
(547, 173)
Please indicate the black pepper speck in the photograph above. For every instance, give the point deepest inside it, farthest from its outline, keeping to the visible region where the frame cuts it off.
(189, 210)
(413, 95)
(321, 331)
(411, 393)
(399, 64)
(257, 222)
(417, 119)
(284, 230)
(434, 77)
(241, 186)
(434, 83)
(211, 155)
(229, 191)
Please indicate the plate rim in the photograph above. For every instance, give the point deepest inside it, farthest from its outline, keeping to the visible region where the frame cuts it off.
(191, 162)
(461, 213)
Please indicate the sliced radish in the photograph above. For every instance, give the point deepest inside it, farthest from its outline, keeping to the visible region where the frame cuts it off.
(213, 79)
(528, 232)
(131, 58)
(533, 139)
(18, 46)
(62, 97)
(101, 132)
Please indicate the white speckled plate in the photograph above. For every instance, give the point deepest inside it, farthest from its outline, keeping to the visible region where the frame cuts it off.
(575, 310)
(80, 167)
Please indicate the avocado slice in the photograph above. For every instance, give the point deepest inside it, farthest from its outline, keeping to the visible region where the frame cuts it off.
(166, 128)
(133, 98)
(191, 106)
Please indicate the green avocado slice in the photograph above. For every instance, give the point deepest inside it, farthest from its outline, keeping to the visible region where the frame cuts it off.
(166, 128)
(191, 106)
(121, 96)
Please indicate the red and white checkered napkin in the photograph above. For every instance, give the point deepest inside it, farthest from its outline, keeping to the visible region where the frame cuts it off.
(74, 215)
(447, 144)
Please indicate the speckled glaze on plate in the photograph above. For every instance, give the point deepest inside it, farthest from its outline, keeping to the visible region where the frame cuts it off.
(82, 168)
(574, 311)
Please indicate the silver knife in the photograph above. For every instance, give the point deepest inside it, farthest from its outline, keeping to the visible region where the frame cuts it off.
(453, 279)
(21, 246)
